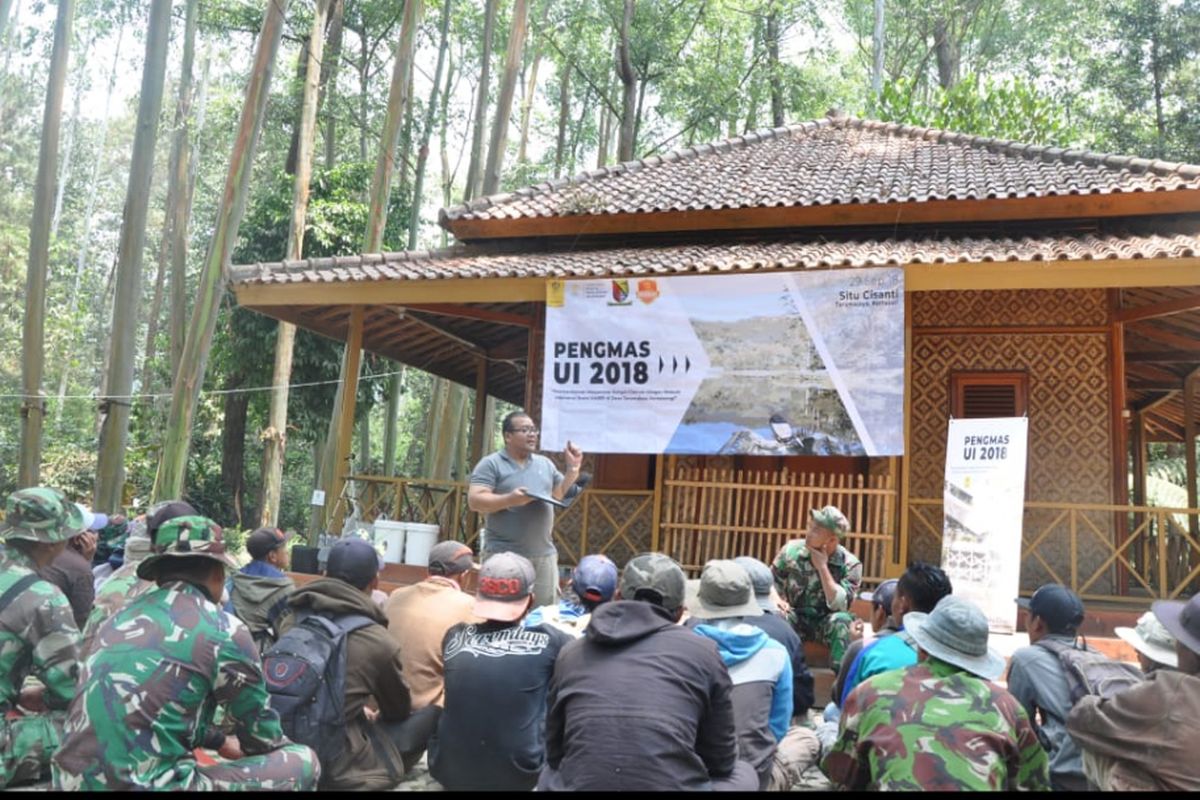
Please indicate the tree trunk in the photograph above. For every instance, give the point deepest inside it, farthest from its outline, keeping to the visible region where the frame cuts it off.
(177, 187)
(364, 63)
(414, 220)
(364, 445)
(877, 53)
(85, 239)
(527, 105)
(64, 172)
(172, 468)
(5, 8)
(443, 145)
(233, 446)
(1156, 70)
(508, 84)
(474, 166)
(564, 113)
(275, 436)
(115, 405)
(289, 164)
(182, 217)
(329, 71)
(395, 391)
(946, 52)
(603, 137)
(33, 408)
(773, 68)
(625, 144)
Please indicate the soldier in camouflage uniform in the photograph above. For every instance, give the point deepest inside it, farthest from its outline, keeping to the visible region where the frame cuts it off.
(38, 636)
(124, 584)
(819, 579)
(160, 668)
(939, 725)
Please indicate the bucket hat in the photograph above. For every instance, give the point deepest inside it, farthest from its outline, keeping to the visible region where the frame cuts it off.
(761, 578)
(1151, 639)
(1181, 619)
(191, 537)
(956, 632)
(41, 514)
(723, 591)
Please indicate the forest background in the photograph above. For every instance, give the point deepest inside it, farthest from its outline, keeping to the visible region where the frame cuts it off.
(132, 207)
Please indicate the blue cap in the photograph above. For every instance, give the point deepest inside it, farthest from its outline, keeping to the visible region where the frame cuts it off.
(595, 579)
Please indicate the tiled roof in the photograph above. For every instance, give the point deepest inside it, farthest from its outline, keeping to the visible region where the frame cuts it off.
(476, 262)
(832, 161)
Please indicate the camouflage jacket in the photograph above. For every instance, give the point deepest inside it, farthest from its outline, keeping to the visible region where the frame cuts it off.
(149, 690)
(37, 636)
(800, 585)
(935, 727)
(114, 594)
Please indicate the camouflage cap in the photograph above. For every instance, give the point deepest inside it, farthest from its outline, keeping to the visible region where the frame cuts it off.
(41, 514)
(831, 519)
(185, 536)
(654, 574)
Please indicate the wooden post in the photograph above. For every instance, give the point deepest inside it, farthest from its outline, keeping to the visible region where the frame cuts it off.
(900, 554)
(656, 511)
(345, 429)
(1189, 445)
(1120, 474)
(1138, 445)
(479, 436)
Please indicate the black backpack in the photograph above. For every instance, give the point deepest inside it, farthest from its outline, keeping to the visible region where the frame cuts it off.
(305, 672)
(1090, 672)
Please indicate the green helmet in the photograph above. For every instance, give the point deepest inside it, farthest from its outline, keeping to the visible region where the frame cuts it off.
(41, 514)
(185, 536)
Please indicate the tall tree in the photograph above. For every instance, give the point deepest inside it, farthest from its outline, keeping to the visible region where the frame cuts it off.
(329, 72)
(431, 109)
(116, 404)
(64, 171)
(625, 143)
(275, 436)
(33, 407)
(774, 68)
(178, 195)
(475, 165)
(877, 53)
(172, 467)
(508, 85)
(5, 9)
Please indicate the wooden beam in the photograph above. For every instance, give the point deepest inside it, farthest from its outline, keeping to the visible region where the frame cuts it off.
(1155, 386)
(443, 290)
(466, 312)
(1163, 309)
(1158, 401)
(898, 558)
(1164, 356)
(1118, 470)
(1146, 330)
(1120, 204)
(345, 431)
(467, 343)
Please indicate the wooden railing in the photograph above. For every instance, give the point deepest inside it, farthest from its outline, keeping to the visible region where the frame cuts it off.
(434, 502)
(1159, 556)
(718, 513)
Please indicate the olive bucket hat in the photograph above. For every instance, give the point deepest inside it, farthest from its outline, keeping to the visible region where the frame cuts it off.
(41, 514)
(185, 536)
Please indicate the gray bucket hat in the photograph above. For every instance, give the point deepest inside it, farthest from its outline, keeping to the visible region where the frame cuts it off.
(1151, 639)
(956, 632)
(1181, 619)
(761, 577)
(723, 591)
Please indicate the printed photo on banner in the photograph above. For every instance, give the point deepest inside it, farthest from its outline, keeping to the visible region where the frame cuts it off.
(984, 504)
(766, 364)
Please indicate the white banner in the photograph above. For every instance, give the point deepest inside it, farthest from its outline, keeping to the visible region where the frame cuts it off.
(789, 363)
(984, 508)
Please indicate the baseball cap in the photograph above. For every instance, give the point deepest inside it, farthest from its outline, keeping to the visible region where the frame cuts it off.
(41, 514)
(352, 560)
(595, 579)
(883, 595)
(168, 510)
(761, 578)
(723, 591)
(263, 540)
(657, 577)
(449, 558)
(92, 520)
(1057, 605)
(831, 519)
(1181, 619)
(505, 584)
(192, 537)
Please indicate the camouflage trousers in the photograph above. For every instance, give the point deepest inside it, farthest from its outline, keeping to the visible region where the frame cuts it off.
(832, 630)
(27, 744)
(291, 768)
(798, 750)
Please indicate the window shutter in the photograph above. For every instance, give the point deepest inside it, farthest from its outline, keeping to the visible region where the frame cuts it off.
(976, 395)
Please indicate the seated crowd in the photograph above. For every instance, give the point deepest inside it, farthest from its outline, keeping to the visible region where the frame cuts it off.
(137, 654)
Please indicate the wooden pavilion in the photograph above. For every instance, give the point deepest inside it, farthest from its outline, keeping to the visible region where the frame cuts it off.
(1060, 284)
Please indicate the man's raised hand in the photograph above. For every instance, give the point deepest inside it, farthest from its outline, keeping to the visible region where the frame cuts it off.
(573, 455)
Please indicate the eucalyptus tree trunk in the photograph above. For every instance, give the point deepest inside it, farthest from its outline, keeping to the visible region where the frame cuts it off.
(625, 143)
(329, 71)
(474, 166)
(182, 213)
(775, 75)
(431, 108)
(88, 214)
(275, 436)
(508, 85)
(116, 403)
(443, 145)
(564, 113)
(395, 392)
(399, 98)
(33, 408)
(64, 171)
(172, 467)
(527, 106)
(178, 196)
(877, 53)
(5, 9)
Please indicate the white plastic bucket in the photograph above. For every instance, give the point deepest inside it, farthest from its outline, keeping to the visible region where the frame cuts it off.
(419, 540)
(392, 535)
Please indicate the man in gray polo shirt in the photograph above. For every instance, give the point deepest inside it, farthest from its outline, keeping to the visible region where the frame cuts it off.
(514, 521)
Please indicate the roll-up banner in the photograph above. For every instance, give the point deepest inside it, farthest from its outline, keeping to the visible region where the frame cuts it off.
(984, 508)
(795, 363)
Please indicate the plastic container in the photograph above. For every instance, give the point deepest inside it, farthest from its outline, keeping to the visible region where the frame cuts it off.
(392, 535)
(420, 539)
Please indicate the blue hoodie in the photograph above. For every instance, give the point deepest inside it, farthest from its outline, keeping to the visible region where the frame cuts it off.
(761, 671)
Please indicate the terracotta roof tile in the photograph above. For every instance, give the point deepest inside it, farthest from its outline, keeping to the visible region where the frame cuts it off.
(477, 262)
